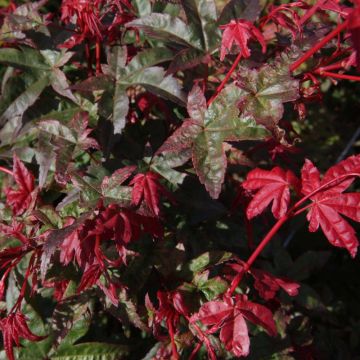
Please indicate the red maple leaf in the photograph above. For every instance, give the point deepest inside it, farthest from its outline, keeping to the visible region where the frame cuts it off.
(354, 27)
(87, 16)
(239, 32)
(121, 226)
(58, 286)
(330, 201)
(70, 246)
(21, 198)
(171, 307)
(285, 16)
(148, 188)
(268, 285)
(265, 283)
(228, 316)
(80, 123)
(13, 327)
(273, 186)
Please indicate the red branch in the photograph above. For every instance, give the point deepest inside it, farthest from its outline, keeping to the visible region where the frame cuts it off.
(337, 75)
(227, 77)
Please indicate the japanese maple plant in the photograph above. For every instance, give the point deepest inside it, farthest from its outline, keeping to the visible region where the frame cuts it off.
(153, 177)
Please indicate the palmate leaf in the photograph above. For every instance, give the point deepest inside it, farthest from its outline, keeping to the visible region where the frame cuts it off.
(329, 203)
(265, 90)
(165, 164)
(120, 108)
(155, 80)
(194, 41)
(24, 18)
(187, 59)
(13, 114)
(354, 27)
(274, 186)
(20, 199)
(168, 29)
(206, 131)
(229, 316)
(71, 317)
(143, 7)
(209, 161)
(240, 9)
(221, 123)
(66, 141)
(202, 16)
(141, 70)
(43, 63)
(44, 66)
(147, 58)
(92, 351)
(25, 58)
(117, 61)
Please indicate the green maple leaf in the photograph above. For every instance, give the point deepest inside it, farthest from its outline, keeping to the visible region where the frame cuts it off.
(264, 90)
(207, 130)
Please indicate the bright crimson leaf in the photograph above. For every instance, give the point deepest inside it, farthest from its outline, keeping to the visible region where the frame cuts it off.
(229, 316)
(13, 327)
(21, 198)
(285, 16)
(329, 202)
(267, 285)
(354, 27)
(148, 188)
(239, 32)
(273, 186)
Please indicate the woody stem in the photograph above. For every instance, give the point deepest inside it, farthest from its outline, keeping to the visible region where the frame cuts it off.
(225, 80)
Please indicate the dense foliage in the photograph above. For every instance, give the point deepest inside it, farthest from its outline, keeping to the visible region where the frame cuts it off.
(157, 194)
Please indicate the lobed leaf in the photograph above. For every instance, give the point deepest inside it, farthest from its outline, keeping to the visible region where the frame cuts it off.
(328, 201)
(264, 91)
(273, 186)
(167, 28)
(202, 16)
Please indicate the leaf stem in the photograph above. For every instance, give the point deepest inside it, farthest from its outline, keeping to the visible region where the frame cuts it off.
(337, 75)
(88, 58)
(318, 46)
(172, 339)
(311, 11)
(330, 183)
(258, 250)
(267, 238)
(7, 171)
(98, 57)
(225, 80)
(195, 351)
